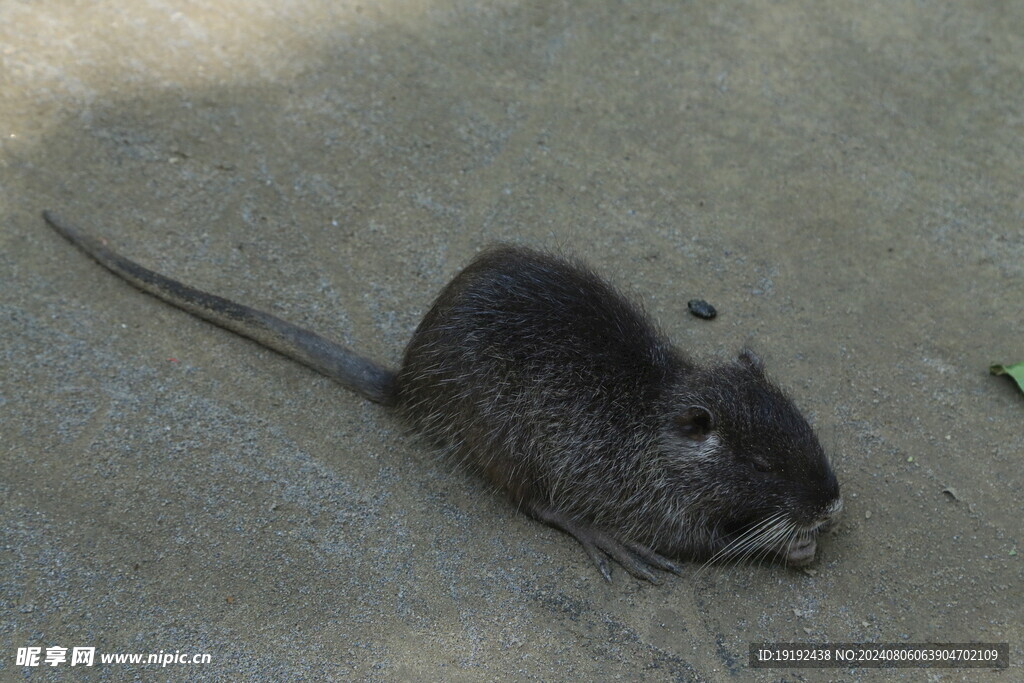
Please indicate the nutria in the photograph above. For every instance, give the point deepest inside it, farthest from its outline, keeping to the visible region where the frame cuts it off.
(539, 375)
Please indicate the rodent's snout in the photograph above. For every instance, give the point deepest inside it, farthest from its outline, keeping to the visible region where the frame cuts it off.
(801, 549)
(829, 517)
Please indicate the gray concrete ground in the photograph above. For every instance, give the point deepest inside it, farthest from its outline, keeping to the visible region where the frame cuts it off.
(843, 180)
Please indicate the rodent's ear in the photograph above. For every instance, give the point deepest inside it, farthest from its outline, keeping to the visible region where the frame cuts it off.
(751, 359)
(695, 423)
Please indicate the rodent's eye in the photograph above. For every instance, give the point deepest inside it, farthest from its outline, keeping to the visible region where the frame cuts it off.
(695, 423)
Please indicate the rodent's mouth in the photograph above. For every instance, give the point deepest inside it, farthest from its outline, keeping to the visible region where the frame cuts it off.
(830, 518)
(801, 550)
(824, 525)
(779, 534)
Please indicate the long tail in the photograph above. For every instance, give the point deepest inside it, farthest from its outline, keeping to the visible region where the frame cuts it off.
(351, 370)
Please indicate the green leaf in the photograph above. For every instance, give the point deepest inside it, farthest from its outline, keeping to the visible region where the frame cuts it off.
(1015, 371)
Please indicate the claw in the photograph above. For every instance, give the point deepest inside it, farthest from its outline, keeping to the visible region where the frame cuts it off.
(635, 558)
(654, 559)
(597, 557)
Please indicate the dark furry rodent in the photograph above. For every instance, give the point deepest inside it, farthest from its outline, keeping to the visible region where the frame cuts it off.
(540, 376)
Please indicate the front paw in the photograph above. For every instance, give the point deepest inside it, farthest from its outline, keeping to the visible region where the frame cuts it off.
(635, 558)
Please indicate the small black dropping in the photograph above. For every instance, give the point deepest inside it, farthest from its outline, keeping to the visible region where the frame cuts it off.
(701, 309)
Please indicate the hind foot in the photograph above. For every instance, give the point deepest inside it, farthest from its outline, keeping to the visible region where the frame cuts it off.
(635, 558)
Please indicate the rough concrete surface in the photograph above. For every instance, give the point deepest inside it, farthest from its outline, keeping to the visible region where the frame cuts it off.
(842, 180)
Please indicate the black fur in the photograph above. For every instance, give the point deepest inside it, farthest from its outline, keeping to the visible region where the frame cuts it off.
(540, 375)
